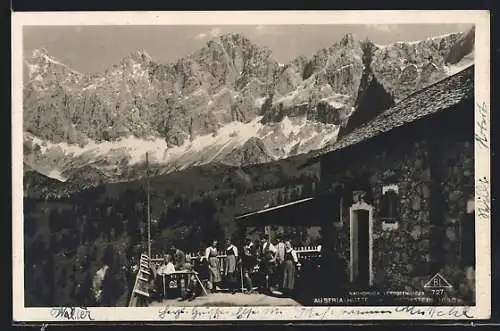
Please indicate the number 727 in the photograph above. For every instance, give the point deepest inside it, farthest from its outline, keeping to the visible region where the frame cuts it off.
(439, 291)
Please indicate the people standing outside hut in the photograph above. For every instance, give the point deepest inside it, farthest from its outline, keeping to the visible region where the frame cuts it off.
(249, 260)
(230, 267)
(214, 276)
(289, 269)
(280, 258)
(268, 262)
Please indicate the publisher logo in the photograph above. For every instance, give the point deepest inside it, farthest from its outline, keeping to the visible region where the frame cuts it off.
(437, 282)
(437, 285)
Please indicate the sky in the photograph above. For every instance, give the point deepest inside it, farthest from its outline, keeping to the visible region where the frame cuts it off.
(90, 49)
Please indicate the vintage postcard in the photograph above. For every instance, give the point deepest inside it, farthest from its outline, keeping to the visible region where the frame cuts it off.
(267, 166)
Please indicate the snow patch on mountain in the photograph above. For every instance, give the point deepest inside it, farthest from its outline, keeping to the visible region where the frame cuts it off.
(32, 69)
(288, 127)
(331, 101)
(467, 61)
(290, 136)
(236, 133)
(56, 174)
(260, 101)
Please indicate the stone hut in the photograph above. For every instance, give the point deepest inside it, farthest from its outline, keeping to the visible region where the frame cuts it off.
(402, 192)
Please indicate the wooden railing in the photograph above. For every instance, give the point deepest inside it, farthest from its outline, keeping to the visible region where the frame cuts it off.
(144, 273)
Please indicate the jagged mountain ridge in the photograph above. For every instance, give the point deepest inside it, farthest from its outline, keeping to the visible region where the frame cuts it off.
(230, 102)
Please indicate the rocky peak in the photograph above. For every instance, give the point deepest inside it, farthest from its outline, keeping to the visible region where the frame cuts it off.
(231, 96)
(234, 39)
(462, 47)
(41, 53)
(43, 72)
(40, 61)
(403, 67)
(228, 43)
(140, 56)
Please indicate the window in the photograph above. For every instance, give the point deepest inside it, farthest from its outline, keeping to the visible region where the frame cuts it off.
(389, 203)
(467, 234)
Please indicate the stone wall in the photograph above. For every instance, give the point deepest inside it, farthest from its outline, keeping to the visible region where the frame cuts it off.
(457, 188)
(400, 257)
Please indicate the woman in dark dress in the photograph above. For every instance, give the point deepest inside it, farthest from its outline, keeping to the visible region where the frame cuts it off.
(200, 269)
(289, 268)
(230, 266)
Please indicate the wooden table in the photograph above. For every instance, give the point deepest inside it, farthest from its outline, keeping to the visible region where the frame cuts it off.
(183, 273)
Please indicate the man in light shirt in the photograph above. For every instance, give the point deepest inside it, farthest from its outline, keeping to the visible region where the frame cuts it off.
(167, 268)
(162, 275)
(280, 247)
(268, 247)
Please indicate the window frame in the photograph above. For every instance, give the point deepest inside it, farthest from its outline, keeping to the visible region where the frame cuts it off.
(389, 214)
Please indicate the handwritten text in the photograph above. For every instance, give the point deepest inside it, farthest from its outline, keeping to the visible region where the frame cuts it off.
(71, 313)
(305, 313)
(481, 135)
(366, 312)
(483, 197)
(432, 312)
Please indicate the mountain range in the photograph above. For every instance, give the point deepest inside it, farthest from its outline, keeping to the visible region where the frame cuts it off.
(230, 104)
